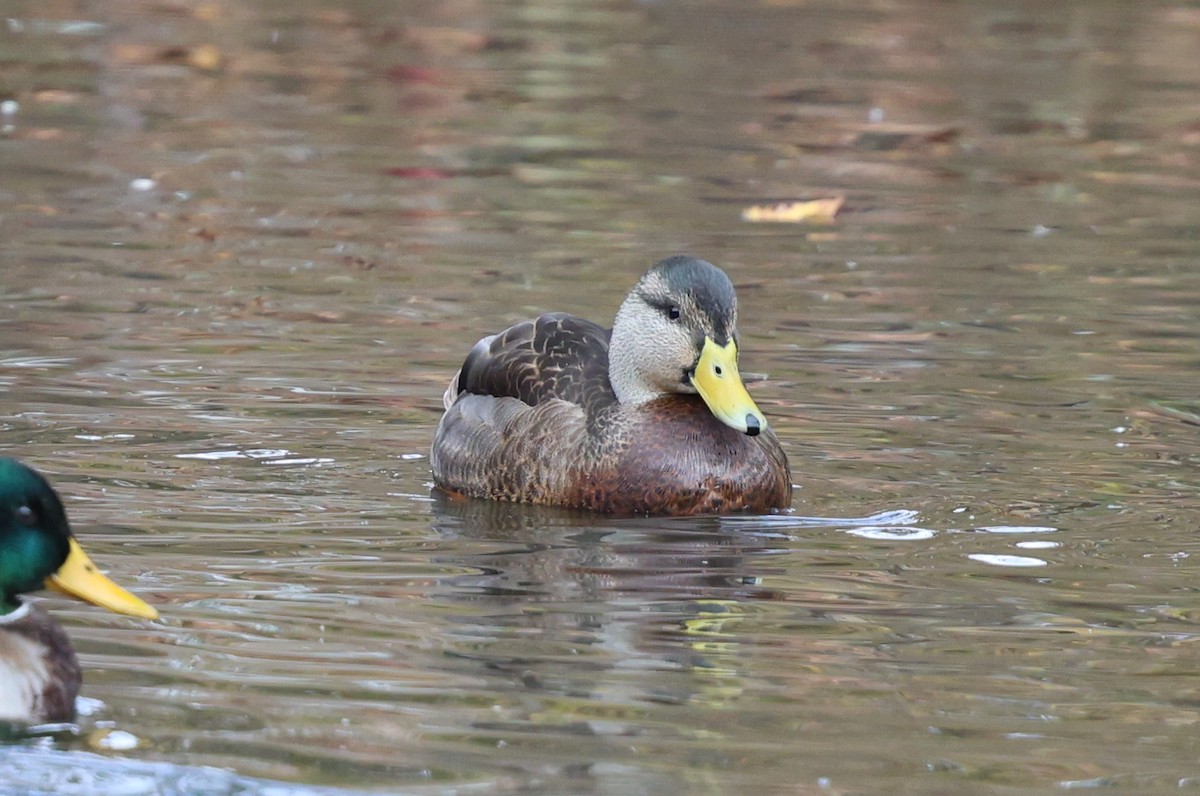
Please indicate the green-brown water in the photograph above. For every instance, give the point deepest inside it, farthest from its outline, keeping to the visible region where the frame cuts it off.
(246, 246)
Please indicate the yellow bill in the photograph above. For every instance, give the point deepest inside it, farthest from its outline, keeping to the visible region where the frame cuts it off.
(717, 380)
(79, 577)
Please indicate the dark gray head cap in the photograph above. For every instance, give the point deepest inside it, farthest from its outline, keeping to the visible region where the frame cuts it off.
(707, 286)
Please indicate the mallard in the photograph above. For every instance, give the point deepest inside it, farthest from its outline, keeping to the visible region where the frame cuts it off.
(651, 417)
(39, 674)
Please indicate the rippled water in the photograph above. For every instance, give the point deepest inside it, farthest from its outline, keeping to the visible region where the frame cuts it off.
(246, 247)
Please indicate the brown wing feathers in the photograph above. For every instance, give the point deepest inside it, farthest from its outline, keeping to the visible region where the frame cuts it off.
(555, 356)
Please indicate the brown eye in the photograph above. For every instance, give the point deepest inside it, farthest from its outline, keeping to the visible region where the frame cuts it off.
(26, 516)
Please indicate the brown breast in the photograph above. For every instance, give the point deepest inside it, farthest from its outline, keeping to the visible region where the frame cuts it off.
(39, 667)
(672, 457)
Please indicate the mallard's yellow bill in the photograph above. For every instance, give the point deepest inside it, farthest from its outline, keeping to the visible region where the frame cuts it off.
(79, 577)
(717, 380)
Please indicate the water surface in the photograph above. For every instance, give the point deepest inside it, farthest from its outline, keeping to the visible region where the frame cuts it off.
(246, 247)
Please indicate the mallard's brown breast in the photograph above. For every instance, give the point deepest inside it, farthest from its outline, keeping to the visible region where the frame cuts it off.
(39, 674)
(672, 457)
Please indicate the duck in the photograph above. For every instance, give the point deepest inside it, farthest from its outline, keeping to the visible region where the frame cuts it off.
(39, 673)
(650, 417)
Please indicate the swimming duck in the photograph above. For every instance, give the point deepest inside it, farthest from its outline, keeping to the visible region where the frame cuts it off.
(39, 675)
(651, 417)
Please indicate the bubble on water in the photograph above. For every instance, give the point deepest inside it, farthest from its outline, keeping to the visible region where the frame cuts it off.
(1016, 529)
(891, 534)
(1000, 560)
(1038, 544)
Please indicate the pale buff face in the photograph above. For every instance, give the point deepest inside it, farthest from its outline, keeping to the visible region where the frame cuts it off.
(651, 353)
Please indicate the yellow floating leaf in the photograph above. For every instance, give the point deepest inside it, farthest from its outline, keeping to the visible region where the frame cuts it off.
(206, 57)
(816, 210)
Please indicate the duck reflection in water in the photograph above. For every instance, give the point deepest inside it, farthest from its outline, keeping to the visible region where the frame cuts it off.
(558, 597)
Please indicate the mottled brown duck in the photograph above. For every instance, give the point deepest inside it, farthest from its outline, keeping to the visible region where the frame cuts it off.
(650, 417)
(39, 674)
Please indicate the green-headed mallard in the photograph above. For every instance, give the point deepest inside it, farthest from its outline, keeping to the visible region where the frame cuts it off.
(39, 675)
(648, 418)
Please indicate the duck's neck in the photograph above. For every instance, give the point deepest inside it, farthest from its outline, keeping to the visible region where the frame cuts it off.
(30, 555)
(630, 390)
(11, 607)
(628, 381)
